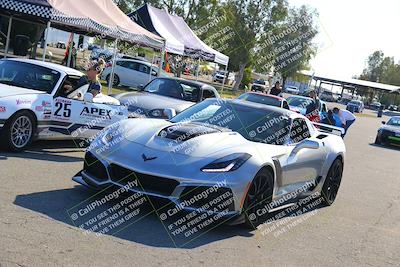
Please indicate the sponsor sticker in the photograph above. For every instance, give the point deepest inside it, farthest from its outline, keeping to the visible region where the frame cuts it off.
(39, 108)
(23, 102)
(2, 109)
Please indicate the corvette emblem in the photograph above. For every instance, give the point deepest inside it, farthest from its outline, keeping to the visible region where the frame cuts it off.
(147, 158)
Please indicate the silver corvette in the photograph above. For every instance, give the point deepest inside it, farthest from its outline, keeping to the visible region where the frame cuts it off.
(227, 157)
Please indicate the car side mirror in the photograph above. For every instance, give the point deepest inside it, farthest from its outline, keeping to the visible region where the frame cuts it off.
(154, 73)
(305, 144)
(383, 122)
(88, 97)
(170, 113)
(141, 87)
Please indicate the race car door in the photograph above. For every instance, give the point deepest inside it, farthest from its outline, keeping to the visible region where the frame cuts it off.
(71, 116)
(304, 160)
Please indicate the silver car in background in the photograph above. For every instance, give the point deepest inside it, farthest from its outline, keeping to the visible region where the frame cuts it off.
(132, 73)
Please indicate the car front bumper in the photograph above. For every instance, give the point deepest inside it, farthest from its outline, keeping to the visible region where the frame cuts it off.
(187, 194)
(389, 138)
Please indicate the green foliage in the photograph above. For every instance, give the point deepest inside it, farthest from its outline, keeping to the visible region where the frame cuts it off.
(247, 79)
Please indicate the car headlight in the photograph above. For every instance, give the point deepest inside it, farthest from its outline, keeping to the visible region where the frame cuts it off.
(157, 113)
(228, 163)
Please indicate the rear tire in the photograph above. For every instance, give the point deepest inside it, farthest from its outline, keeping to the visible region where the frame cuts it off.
(259, 194)
(116, 80)
(332, 182)
(18, 132)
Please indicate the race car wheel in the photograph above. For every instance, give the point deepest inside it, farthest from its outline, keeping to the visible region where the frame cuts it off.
(332, 182)
(19, 131)
(116, 79)
(258, 195)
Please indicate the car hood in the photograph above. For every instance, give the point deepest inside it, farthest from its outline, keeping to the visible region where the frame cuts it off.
(300, 110)
(148, 101)
(7, 90)
(187, 140)
(391, 128)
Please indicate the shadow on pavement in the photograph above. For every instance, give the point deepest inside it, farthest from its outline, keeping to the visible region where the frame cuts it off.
(47, 151)
(75, 207)
(395, 148)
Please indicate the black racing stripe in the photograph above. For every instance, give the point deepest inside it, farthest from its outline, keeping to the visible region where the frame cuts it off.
(73, 128)
(55, 123)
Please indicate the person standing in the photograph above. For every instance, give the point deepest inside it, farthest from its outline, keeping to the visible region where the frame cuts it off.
(346, 118)
(276, 90)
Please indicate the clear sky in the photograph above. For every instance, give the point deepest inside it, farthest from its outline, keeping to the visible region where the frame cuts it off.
(351, 30)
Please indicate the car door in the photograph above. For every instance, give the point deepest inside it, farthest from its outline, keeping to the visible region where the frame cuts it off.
(304, 158)
(76, 118)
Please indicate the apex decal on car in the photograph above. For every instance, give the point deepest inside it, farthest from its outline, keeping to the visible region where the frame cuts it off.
(97, 112)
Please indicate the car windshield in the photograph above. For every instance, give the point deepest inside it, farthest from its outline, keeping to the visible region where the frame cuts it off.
(173, 88)
(29, 76)
(259, 82)
(299, 102)
(257, 125)
(355, 103)
(394, 122)
(261, 99)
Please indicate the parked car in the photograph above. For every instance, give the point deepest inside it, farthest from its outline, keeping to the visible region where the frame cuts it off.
(292, 90)
(219, 77)
(238, 156)
(393, 108)
(355, 106)
(165, 96)
(131, 73)
(61, 45)
(389, 133)
(327, 96)
(266, 99)
(375, 106)
(259, 85)
(299, 104)
(34, 105)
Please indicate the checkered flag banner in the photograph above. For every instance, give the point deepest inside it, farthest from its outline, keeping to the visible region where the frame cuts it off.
(41, 9)
(28, 8)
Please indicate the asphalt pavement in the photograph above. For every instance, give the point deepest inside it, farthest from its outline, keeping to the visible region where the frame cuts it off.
(38, 201)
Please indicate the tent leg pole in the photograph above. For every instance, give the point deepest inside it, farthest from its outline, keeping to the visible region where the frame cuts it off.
(162, 59)
(70, 50)
(46, 41)
(111, 81)
(198, 70)
(223, 81)
(151, 67)
(8, 37)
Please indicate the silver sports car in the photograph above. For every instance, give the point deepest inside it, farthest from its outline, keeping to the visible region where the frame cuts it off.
(221, 156)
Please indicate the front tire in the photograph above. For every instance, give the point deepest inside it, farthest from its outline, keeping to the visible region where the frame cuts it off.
(259, 194)
(18, 132)
(332, 182)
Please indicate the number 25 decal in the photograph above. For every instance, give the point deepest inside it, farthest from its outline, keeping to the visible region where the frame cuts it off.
(66, 107)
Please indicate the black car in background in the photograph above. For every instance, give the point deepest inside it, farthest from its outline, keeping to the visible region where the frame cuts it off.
(389, 133)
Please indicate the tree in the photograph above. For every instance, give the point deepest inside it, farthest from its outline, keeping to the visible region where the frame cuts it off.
(372, 72)
(288, 47)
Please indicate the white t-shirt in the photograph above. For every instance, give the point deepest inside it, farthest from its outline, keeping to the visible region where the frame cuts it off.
(346, 115)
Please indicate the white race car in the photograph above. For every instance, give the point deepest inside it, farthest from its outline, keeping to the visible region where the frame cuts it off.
(34, 104)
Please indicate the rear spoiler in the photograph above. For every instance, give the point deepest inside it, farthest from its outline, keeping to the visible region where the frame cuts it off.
(329, 128)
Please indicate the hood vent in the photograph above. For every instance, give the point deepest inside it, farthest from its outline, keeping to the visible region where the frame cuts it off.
(187, 131)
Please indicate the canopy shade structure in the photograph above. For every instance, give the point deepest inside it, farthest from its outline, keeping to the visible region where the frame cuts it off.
(179, 38)
(91, 17)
